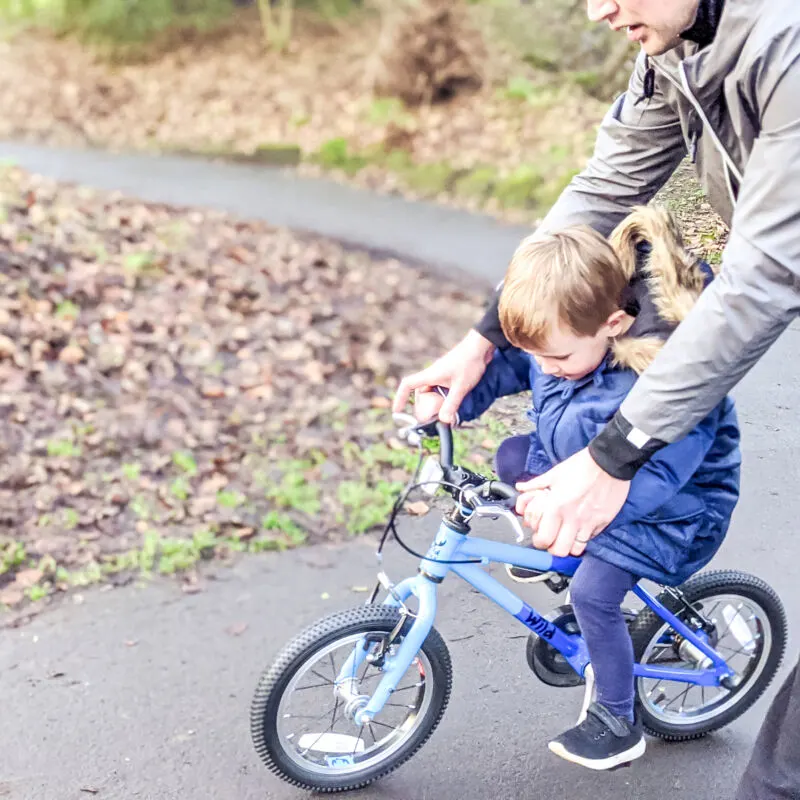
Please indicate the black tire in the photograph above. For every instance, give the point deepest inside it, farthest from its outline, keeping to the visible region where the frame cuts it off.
(275, 680)
(705, 586)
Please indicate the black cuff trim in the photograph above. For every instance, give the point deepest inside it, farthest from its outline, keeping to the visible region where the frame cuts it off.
(615, 454)
(489, 327)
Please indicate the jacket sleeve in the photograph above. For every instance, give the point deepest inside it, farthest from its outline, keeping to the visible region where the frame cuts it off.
(664, 475)
(507, 373)
(738, 317)
(639, 145)
(661, 478)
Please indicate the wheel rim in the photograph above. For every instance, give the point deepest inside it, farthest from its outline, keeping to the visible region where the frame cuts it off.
(317, 735)
(681, 704)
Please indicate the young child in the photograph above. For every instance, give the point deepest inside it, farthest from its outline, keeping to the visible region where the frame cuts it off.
(584, 316)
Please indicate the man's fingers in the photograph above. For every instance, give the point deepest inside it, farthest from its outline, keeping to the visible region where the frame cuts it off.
(542, 482)
(407, 385)
(449, 409)
(578, 547)
(533, 516)
(565, 538)
(548, 528)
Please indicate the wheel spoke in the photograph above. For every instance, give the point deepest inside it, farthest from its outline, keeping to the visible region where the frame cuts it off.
(679, 695)
(313, 686)
(322, 677)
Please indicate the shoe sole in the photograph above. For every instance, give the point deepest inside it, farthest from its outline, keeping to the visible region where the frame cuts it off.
(537, 578)
(637, 751)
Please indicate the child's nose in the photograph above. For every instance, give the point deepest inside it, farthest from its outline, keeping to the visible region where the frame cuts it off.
(548, 367)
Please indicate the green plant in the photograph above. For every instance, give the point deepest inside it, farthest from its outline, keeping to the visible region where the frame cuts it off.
(293, 491)
(228, 499)
(367, 506)
(185, 461)
(131, 472)
(519, 88)
(63, 448)
(139, 262)
(385, 110)
(276, 521)
(71, 518)
(335, 154)
(140, 506)
(38, 592)
(517, 189)
(180, 488)
(12, 555)
(430, 179)
(114, 23)
(478, 182)
(66, 309)
(276, 24)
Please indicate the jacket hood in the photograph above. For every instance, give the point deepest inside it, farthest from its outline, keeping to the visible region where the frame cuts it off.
(665, 282)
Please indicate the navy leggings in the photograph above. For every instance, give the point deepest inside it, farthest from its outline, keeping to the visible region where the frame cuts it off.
(597, 592)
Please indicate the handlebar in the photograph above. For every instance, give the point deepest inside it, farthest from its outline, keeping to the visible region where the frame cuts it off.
(413, 429)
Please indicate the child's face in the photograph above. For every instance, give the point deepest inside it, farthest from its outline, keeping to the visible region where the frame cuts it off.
(571, 356)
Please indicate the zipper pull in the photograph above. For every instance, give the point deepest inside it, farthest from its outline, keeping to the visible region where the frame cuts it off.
(649, 82)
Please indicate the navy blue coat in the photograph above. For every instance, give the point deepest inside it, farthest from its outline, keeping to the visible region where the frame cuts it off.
(680, 502)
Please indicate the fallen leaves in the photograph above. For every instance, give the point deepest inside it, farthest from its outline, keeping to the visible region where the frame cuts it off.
(192, 402)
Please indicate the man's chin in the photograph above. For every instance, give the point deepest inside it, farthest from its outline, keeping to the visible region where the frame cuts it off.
(655, 46)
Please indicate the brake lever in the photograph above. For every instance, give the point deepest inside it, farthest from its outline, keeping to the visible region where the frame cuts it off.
(495, 510)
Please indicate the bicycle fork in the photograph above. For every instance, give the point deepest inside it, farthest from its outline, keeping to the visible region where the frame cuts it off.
(363, 708)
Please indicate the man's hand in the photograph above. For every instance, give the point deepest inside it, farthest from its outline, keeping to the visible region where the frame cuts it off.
(459, 370)
(580, 502)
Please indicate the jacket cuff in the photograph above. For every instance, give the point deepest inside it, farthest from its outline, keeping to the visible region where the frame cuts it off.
(489, 326)
(621, 450)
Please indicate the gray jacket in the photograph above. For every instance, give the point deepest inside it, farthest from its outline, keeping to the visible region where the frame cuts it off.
(734, 106)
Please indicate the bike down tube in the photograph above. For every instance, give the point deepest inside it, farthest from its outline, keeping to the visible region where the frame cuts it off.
(571, 647)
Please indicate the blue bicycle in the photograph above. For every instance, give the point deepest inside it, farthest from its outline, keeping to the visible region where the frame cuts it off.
(355, 695)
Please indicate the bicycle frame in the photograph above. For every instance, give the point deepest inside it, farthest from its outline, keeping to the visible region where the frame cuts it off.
(452, 546)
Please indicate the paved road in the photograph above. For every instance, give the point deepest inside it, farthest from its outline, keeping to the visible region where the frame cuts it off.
(438, 237)
(166, 717)
(144, 693)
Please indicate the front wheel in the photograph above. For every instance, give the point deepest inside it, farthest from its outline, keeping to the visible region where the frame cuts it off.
(305, 733)
(748, 629)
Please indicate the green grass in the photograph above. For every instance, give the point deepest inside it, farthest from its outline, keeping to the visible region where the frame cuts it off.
(366, 507)
(293, 491)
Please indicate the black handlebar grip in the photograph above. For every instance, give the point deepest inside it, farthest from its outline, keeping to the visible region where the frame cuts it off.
(502, 490)
(445, 444)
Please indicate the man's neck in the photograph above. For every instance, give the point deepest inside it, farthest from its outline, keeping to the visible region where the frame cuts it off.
(704, 28)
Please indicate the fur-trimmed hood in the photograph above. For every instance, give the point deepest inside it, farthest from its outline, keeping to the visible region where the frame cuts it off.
(665, 282)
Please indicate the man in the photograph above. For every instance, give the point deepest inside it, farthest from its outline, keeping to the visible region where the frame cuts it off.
(719, 80)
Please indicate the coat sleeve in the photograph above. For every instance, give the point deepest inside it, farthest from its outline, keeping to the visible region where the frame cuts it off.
(661, 478)
(507, 373)
(639, 145)
(755, 297)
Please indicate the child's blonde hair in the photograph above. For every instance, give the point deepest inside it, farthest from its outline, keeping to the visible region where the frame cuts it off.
(573, 278)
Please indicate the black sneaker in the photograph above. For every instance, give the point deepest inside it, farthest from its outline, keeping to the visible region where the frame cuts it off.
(522, 575)
(601, 741)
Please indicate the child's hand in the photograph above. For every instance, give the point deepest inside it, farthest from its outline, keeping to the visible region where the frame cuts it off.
(427, 405)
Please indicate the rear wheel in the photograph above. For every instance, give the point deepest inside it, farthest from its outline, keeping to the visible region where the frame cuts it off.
(748, 629)
(304, 731)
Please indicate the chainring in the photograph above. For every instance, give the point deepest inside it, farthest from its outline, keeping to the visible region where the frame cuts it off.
(547, 663)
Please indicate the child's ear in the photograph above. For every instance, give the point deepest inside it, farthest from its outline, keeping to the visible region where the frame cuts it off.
(618, 323)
